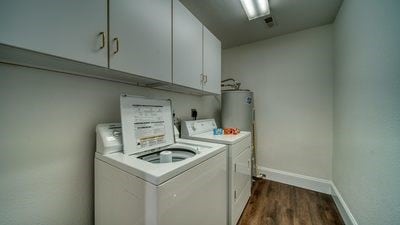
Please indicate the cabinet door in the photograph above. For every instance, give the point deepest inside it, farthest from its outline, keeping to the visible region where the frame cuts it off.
(65, 28)
(140, 37)
(212, 62)
(187, 47)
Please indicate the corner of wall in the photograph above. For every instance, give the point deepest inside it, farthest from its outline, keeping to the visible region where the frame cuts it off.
(344, 210)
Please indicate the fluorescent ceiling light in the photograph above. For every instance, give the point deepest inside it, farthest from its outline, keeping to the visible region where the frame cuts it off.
(255, 8)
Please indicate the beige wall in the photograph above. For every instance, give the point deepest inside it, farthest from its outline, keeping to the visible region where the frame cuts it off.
(291, 77)
(366, 157)
(47, 141)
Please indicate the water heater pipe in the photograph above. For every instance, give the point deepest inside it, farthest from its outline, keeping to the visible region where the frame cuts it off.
(235, 85)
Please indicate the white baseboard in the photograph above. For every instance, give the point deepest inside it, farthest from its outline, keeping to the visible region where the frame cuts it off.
(311, 183)
(298, 180)
(344, 210)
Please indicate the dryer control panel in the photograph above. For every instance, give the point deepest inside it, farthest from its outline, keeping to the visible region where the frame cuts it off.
(194, 127)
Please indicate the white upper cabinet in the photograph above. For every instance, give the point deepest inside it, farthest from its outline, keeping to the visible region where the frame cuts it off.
(71, 29)
(211, 62)
(187, 47)
(196, 53)
(140, 37)
(156, 39)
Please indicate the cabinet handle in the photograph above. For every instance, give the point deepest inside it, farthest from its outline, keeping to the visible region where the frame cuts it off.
(116, 40)
(205, 81)
(201, 78)
(248, 163)
(103, 40)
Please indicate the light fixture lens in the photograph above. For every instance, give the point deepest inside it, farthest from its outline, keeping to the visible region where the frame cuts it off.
(255, 8)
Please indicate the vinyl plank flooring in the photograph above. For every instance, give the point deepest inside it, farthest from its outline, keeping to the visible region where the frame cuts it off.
(274, 203)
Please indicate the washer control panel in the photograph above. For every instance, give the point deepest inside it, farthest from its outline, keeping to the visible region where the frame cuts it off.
(108, 138)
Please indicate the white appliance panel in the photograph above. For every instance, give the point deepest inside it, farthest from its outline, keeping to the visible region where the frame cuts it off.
(139, 188)
(146, 123)
(193, 127)
(108, 138)
(239, 162)
(197, 196)
(122, 198)
(241, 182)
(222, 139)
(131, 190)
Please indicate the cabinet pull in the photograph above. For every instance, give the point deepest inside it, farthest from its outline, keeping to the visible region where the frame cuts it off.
(201, 78)
(103, 40)
(205, 81)
(234, 195)
(248, 163)
(116, 40)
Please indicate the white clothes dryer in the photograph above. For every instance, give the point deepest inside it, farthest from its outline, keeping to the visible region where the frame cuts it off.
(159, 181)
(239, 162)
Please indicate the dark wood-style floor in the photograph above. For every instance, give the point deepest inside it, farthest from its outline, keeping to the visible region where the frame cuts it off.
(274, 203)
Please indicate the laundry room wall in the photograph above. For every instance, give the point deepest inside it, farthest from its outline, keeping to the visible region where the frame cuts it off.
(291, 77)
(366, 156)
(47, 140)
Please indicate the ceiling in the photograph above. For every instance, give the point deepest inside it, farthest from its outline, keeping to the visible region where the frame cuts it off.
(227, 20)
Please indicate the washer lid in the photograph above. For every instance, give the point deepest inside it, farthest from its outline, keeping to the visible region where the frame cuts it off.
(146, 123)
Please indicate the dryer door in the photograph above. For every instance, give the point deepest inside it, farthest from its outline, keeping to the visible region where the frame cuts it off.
(241, 183)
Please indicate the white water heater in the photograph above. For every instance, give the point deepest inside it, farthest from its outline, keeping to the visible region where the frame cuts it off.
(237, 109)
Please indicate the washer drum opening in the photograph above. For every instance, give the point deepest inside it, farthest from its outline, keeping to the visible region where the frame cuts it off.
(177, 154)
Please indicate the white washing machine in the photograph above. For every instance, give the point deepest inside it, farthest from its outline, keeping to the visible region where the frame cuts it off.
(239, 162)
(158, 180)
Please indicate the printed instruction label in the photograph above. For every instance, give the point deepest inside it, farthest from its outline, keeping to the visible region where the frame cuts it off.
(146, 123)
(149, 125)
